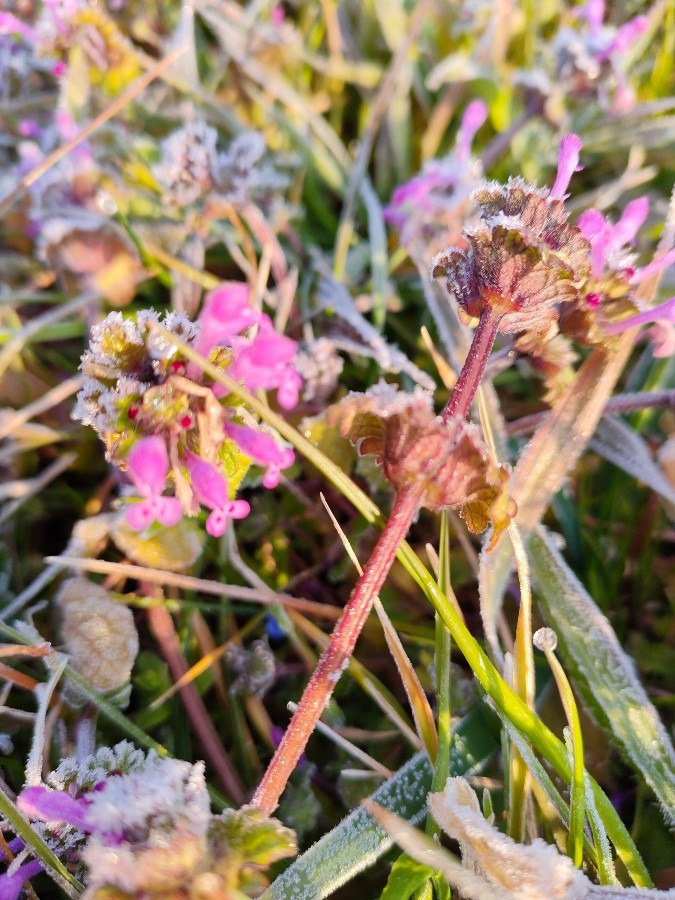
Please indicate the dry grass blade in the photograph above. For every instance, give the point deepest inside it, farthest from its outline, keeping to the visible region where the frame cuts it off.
(190, 583)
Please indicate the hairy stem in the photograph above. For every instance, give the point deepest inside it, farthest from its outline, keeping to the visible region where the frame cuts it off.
(336, 656)
(474, 366)
(346, 633)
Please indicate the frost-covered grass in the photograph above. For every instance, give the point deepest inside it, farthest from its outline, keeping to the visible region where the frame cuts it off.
(216, 221)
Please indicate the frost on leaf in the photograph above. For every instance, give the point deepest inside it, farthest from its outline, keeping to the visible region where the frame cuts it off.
(247, 841)
(414, 447)
(532, 871)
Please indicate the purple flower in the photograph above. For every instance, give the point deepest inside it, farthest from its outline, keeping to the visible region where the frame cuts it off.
(53, 807)
(12, 882)
(624, 38)
(438, 175)
(225, 313)
(474, 117)
(607, 240)
(262, 449)
(210, 488)
(264, 364)
(148, 468)
(568, 164)
(9, 24)
(662, 332)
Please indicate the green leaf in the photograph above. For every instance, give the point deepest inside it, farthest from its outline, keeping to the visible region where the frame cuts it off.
(357, 842)
(603, 673)
(624, 447)
(406, 876)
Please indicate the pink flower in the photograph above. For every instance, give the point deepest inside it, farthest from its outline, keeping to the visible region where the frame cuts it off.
(148, 467)
(568, 164)
(662, 332)
(53, 807)
(607, 240)
(262, 449)
(437, 175)
(9, 24)
(210, 488)
(474, 117)
(226, 312)
(624, 38)
(264, 364)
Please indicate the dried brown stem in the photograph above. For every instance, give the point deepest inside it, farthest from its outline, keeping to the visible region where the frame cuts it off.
(164, 632)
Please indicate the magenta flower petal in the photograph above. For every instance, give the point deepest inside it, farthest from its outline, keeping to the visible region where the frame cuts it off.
(217, 520)
(568, 164)
(10, 24)
(141, 515)
(11, 884)
(259, 445)
(474, 116)
(655, 266)
(598, 232)
(46, 805)
(238, 509)
(149, 466)
(210, 487)
(263, 449)
(594, 13)
(269, 348)
(208, 483)
(225, 313)
(632, 219)
(288, 392)
(169, 511)
(662, 335)
(625, 37)
(216, 523)
(663, 317)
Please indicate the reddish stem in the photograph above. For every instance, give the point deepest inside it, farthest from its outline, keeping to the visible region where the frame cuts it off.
(164, 632)
(336, 656)
(474, 366)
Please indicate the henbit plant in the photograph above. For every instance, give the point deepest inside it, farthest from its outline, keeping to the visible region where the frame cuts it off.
(195, 189)
(522, 261)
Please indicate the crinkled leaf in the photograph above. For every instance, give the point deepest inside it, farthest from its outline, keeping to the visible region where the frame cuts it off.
(254, 838)
(415, 447)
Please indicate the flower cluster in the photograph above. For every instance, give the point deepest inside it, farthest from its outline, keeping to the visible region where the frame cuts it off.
(434, 205)
(162, 418)
(590, 60)
(142, 825)
(523, 258)
(610, 290)
(550, 282)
